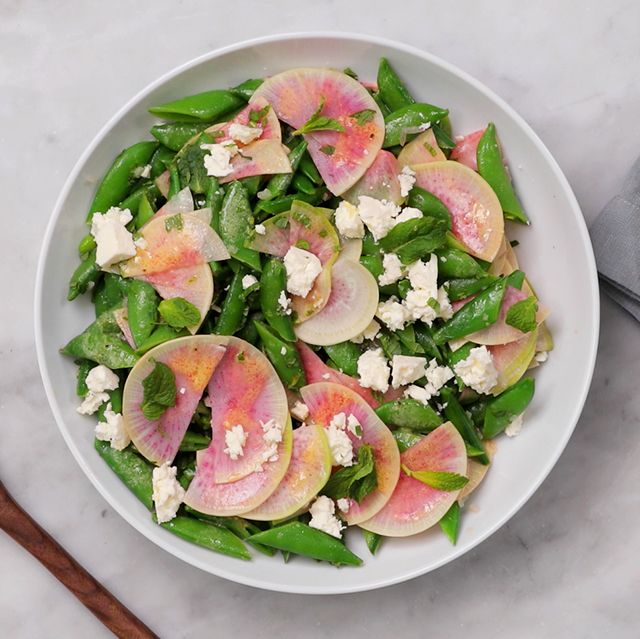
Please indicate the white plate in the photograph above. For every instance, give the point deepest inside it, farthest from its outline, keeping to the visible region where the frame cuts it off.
(555, 252)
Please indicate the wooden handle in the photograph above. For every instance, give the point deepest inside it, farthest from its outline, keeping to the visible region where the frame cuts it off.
(17, 523)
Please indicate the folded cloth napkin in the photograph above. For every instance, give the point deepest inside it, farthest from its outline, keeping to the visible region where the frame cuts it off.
(616, 243)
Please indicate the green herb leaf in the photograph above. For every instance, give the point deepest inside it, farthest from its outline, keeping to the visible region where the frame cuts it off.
(174, 222)
(303, 244)
(327, 149)
(350, 72)
(450, 522)
(355, 481)
(436, 479)
(319, 122)
(364, 116)
(178, 312)
(159, 391)
(522, 315)
(258, 117)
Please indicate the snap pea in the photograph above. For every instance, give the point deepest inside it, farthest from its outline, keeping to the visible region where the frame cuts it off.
(192, 442)
(300, 539)
(145, 212)
(477, 411)
(175, 135)
(373, 264)
(450, 523)
(410, 414)
(422, 246)
(87, 272)
(409, 117)
(234, 309)
(246, 89)
(161, 160)
(236, 223)
(303, 184)
(174, 181)
(345, 356)
(115, 401)
(214, 199)
(86, 245)
(453, 242)
(142, 310)
(442, 133)
(189, 162)
(390, 344)
(252, 184)
(273, 283)
(282, 204)
(109, 293)
(369, 245)
(284, 357)
(404, 286)
(132, 201)
(308, 168)
(456, 414)
(429, 204)
(202, 107)
(458, 289)
(391, 89)
(373, 540)
(84, 367)
(278, 184)
(161, 335)
(491, 167)
(116, 183)
(406, 438)
(425, 339)
(407, 337)
(384, 109)
(502, 410)
(453, 263)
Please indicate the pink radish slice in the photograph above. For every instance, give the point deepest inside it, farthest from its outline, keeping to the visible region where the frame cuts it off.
(174, 242)
(238, 497)
(297, 93)
(414, 506)
(308, 472)
(325, 400)
(466, 149)
(270, 126)
(421, 150)
(315, 370)
(262, 157)
(193, 283)
(244, 389)
(192, 361)
(351, 306)
(476, 471)
(351, 249)
(181, 202)
(120, 315)
(511, 360)
(476, 214)
(379, 181)
(275, 239)
(163, 183)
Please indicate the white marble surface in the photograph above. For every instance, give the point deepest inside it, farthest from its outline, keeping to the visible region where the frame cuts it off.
(566, 565)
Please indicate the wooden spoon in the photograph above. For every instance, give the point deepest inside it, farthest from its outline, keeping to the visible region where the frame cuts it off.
(19, 525)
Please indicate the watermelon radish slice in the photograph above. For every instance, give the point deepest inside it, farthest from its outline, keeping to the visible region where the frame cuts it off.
(171, 242)
(269, 124)
(325, 400)
(511, 360)
(120, 316)
(244, 389)
(262, 157)
(476, 471)
(193, 283)
(315, 370)
(238, 497)
(414, 506)
(181, 202)
(275, 239)
(192, 361)
(308, 472)
(466, 149)
(421, 150)
(163, 182)
(351, 249)
(351, 306)
(476, 214)
(380, 181)
(297, 93)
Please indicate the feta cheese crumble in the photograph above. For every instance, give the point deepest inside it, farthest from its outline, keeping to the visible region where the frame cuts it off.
(235, 439)
(272, 436)
(114, 242)
(248, 281)
(343, 505)
(260, 229)
(446, 310)
(348, 221)
(142, 171)
(323, 517)
(300, 411)
(407, 179)
(514, 428)
(378, 215)
(112, 429)
(393, 314)
(243, 133)
(407, 213)
(477, 370)
(339, 442)
(406, 369)
(541, 357)
(302, 268)
(392, 269)
(436, 377)
(167, 492)
(371, 332)
(218, 161)
(373, 370)
(91, 403)
(99, 380)
(423, 276)
(285, 303)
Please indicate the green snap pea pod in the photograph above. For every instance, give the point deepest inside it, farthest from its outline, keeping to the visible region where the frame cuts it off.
(391, 345)
(345, 356)
(453, 357)
(429, 204)
(410, 414)
(236, 223)
(450, 523)
(303, 184)
(425, 339)
(86, 272)
(409, 117)
(478, 313)
(373, 264)
(234, 309)
(381, 105)
(115, 401)
(175, 135)
(142, 310)
(458, 289)
(161, 160)
(284, 357)
(282, 204)
(502, 410)
(214, 199)
(252, 184)
(174, 181)
(369, 245)
(202, 107)
(407, 337)
(406, 438)
(145, 212)
(373, 540)
(273, 283)
(135, 472)
(392, 90)
(308, 168)
(210, 536)
(404, 286)
(454, 243)
(116, 183)
(442, 133)
(109, 293)
(86, 245)
(456, 414)
(477, 412)
(278, 184)
(407, 232)
(247, 88)
(81, 377)
(491, 167)
(132, 202)
(300, 539)
(421, 247)
(161, 335)
(194, 441)
(455, 263)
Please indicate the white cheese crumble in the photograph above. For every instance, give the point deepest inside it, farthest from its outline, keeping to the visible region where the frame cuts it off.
(406, 369)
(436, 377)
(407, 179)
(302, 268)
(142, 171)
(392, 269)
(418, 393)
(417, 307)
(300, 411)
(348, 221)
(218, 161)
(354, 426)
(392, 313)
(378, 215)
(371, 332)
(408, 213)
(477, 370)
(445, 309)
(323, 517)
(285, 303)
(140, 243)
(514, 428)
(114, 242)
(343, 505)
(91, 403)
(272, 436)
(424, 276)
(243, 133)
(541, 357)
(235, 439)
(167, 492)
(260, 229)
(112, 429)
(373, 370)
(339, 442)
(248, 281)
(99, 380)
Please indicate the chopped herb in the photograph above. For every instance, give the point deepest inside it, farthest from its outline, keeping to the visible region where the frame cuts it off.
(522, 315)
(430, 149)
(327, 149)
(439, 480)
(281, 222)
(303, 244)
(159, 391)
(355, 481)
(350, 72)
(174, 222)
(319, 122)
(364, 116)
(258, 117)
(240, 356)
(178, 312)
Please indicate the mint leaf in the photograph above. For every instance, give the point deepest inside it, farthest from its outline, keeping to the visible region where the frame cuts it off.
(159, 391)
(447, 482)
(522, 315)
(178, 312)
(327, 149)
(258, 117)
(364, 116)
(450, 522)
(355, 481)
(303, 244)
(319, 122)
(174, 222)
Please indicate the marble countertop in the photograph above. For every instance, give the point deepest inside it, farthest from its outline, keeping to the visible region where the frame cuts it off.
(566, 565)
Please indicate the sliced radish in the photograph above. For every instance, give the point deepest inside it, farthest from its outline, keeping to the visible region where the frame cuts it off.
(476, 214)
(275, 239)
(421, 150)
(351, 249)
(120, 316)
(308, 472)
(269, 124)
(380, 180)
(262, 157)
(192, 361)
(511, 360)
(466, 149)
(163, 182)
(341, 157)
(181, 202)
(476, 471)
(325, 400)
(414, 506)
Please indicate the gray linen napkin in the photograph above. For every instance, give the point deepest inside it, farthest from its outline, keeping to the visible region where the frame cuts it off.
(616, 243)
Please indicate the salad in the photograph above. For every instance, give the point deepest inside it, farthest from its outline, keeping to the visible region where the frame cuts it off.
(309, 316)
